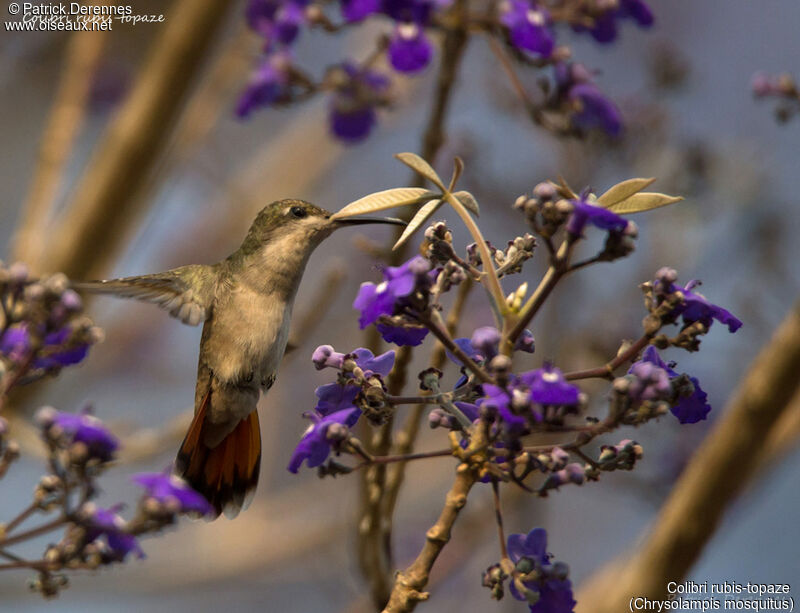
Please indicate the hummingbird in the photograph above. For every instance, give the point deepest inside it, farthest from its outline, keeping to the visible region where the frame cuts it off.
(245, 305)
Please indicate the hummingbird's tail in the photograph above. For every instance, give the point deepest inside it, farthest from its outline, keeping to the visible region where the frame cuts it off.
(226, 474)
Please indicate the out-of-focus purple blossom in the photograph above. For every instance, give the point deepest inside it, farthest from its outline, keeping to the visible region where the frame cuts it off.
(391, 297)
(80, 427)
(278, 21)
(352, 112)
(484, 344)
(593, 110)
(589, 108)
(415, 11)
(173, 492)
(356, 10)
(315, 446)
(52, 354)
(586, 213)
(548, 387)
(529, 553)
(267, 83)
(15, 344)
(107, 523)
(604, 29)
(690, 408)
(409, 49)
(528, 26)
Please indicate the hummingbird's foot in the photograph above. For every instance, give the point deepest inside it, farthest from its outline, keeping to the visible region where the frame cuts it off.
(267, 383)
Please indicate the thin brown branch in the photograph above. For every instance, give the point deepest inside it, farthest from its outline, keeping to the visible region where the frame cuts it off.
(607, 370)
(711, 482)
(107, 192)
(63, 125)
(410, 583)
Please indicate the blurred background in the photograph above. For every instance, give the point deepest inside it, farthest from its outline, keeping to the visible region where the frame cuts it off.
(683, 87)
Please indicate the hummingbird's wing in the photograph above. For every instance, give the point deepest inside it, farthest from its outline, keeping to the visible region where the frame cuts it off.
(186, 292)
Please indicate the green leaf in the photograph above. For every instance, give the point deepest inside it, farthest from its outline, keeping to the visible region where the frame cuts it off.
(424, 213)
(469, 202)
(643, 201)
(386, 199)
(622, 190)
(415, 162)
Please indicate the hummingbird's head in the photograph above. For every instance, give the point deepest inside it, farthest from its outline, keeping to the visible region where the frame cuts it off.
(300, 224)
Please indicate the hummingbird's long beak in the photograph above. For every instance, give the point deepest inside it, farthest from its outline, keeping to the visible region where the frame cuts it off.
(365, 220)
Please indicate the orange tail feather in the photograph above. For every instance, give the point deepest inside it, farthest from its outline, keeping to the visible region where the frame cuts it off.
(227, 474)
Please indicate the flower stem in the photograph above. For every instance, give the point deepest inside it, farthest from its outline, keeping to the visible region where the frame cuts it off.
(33, 532)
(498, 514)
(434, 323)
(607, 370)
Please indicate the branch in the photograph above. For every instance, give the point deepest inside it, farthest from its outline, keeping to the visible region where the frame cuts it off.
(83, 52)
(409, 582)
(106, 194)
(713, 479)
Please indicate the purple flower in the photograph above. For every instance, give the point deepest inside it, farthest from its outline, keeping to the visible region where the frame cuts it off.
(584, 213)
(695, 306)
(82, 428)
(409, 49)
(53, 356)
(548, 387)
(356, 10)
(173, 492)
(334, 397)
(528, 27)
(106, 522)
(594, 110)
(266, 84)
(529, 552)
(391, 297)
(352, 112)
(325, 356)
(689, 408)
(15, 343)
(414, 11)
(604, 29)
(278, 21)
(315, 446)
(484, 344)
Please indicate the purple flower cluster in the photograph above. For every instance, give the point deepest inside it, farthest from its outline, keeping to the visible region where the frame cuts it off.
(534, 397)
(655, 379)
(171, 494)
(82, 434)
(529, 27)
(353, 106)
(544, 584)
(49, 333)
(693, 307)
(587, 106)
(107, 528)
(409, 50)
(336, 409)
(404, 290)
(604, 26)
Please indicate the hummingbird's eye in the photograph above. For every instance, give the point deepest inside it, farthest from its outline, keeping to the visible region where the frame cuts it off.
(298, 212)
